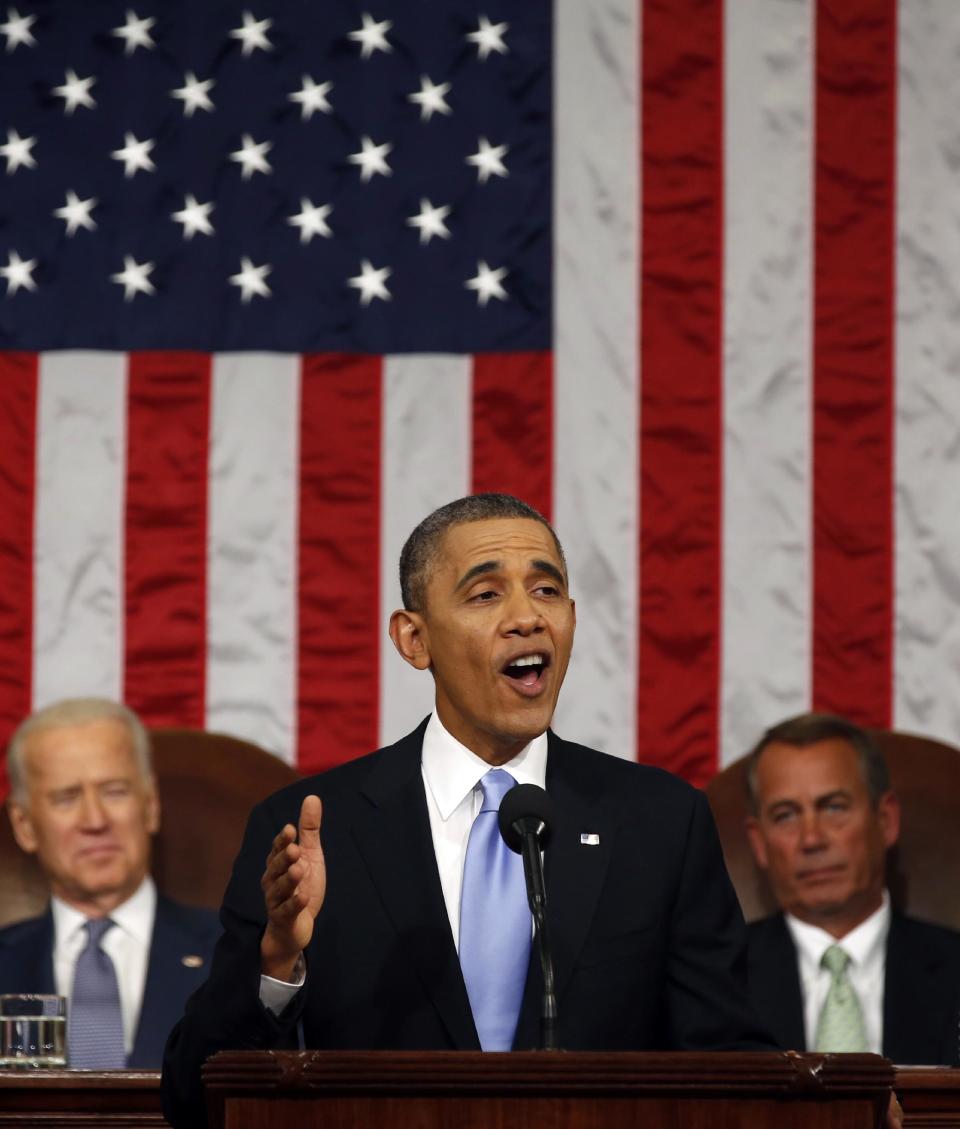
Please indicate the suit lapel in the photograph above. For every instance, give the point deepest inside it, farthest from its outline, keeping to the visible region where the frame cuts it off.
(169, 982)
(393, 837)
(917, 1005)
(28, 958)
(574, 873)
(775, 983)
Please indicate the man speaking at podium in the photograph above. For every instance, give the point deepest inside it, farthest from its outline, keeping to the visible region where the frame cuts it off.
(391, 915)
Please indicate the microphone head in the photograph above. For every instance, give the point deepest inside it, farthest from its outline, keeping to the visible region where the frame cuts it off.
(525, 808)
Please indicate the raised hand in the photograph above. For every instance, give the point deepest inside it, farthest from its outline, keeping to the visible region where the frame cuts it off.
(294, 883)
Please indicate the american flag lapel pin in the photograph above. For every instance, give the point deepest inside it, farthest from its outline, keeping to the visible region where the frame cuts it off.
(589, 839)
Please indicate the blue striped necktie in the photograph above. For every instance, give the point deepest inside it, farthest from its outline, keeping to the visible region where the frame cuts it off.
(96, 1021)
(494, 922)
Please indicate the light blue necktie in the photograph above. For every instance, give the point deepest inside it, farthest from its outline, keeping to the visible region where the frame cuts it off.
(494, 922)
(96, 1021)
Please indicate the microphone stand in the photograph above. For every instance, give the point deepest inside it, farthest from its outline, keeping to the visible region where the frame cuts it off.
(537, 898)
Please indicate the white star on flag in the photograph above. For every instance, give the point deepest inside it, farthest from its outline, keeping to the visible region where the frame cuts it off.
(17, 272)
(135, 33)
(77, 212)
(194, 94)
(488, 37)
(17, 151)
(17, 30)
(372, 36)
(486, 282)
(372, 159)
(133, 278)
(430, 221)
(251, 279)
(371, 282)
(75, 91)
(252, 155)
(312, 96)
(430, 98)
(135, 155)
(194, 216)
(312, 220)
(487, 160)
(253, 34)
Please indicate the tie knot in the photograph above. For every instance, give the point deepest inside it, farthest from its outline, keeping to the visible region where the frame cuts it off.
(495, 784)
(95, 928)
(835, 960)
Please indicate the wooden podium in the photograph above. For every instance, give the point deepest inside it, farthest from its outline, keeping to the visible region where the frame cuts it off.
(533, 1090)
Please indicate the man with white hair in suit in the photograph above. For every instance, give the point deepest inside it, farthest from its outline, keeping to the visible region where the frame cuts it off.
(84, 801)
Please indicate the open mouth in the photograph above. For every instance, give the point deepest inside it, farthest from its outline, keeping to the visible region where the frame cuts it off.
(527, 671)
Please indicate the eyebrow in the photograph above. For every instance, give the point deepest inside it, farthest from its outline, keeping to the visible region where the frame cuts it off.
(818, 801)
(494, 566)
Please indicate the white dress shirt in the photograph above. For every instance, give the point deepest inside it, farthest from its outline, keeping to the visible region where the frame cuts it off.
(866, 946)
(451, 780)
(127, 945)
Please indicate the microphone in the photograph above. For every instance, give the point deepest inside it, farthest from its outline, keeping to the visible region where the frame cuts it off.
(526, 816)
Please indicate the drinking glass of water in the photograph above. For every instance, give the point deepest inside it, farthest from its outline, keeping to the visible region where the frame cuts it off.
(33, 1031)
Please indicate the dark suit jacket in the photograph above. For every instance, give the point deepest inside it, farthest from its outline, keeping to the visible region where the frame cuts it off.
(646, 930)
(26, 965)
(920, 998)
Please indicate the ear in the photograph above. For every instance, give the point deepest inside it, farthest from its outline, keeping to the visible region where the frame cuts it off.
(22, 824)
(153, 807)
(409, 634)
(888, 813)
(758, 843)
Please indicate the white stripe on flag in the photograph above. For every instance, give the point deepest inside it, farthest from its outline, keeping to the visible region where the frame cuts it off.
(426, 462)
(252, 549)
(767, 552)
(78, 563)
(927, 633)
(596, 306)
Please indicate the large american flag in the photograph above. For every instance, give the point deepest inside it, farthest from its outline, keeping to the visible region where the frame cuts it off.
(278, 278)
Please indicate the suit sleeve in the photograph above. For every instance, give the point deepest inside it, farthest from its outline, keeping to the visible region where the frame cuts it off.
(226, 1012)
(707, 1005)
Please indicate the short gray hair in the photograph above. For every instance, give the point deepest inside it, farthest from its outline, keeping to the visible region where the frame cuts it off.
(809, 729)
(420, 551)
(73, 711)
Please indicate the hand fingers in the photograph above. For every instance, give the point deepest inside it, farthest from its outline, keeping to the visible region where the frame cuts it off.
(288, 834)
(280, 889)
(308, 830)
(279, 865)
(287, 909)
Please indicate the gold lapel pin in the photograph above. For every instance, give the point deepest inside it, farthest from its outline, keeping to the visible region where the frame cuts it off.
(191, 960)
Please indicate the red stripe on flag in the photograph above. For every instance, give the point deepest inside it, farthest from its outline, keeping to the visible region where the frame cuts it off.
(340, 628)
(166, 536)
(18, 421)
(853, 358)
(513, 426)
(681, 399)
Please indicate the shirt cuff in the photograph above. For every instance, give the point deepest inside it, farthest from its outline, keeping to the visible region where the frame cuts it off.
(276, 994)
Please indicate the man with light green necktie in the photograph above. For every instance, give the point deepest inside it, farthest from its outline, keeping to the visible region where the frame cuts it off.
(840, 969)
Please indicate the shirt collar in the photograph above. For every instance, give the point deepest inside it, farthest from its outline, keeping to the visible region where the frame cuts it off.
(134, 916)
(452, 771)
(862, 943)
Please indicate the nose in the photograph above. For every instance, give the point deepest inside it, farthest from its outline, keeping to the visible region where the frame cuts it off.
(93, 814)
(521, 615)
(811, 832)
